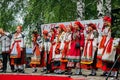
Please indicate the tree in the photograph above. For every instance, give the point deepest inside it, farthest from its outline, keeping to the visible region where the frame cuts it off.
(100, 8)
(49, 11)
(81, 9)
(108, 7)
(9, 9)
(116, 18)
(90, 9)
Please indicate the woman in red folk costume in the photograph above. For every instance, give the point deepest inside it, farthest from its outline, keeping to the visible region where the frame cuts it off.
(57, 54)
(88, 56)
(17, 46)
(76, 48)
(45, 45)
(52, 47)
(105, 36)
(66, 49)
(35, 59)
(109, 55)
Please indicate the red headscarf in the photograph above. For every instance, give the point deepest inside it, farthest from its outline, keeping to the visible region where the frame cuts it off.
(79, 24)
(109, 48)
(45, 32)
(92, 25)
(62, 26)
(107, 18)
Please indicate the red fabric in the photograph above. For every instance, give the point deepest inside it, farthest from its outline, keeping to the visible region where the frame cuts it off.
(18, 48)
(34, 77)
(12, 61)
(63, 66)
(92, 25)
(37, 50)
(57, 49)
(23, 56)
(107, 18)
(99, 63)
(62, 26)
(35, 38)
(85, 52)
(86, 66)
(65, 51)
(104, 67)
(52, 38)
(82, 38)
(91, 49)
(109, 47)
(73, 51)
(102, 42)
(79, 24)
(50, 53)
(43, 62)
(45, 32)
(33, 65)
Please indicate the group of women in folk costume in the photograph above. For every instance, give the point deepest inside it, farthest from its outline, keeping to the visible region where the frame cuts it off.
(69, 48)
(66, 47)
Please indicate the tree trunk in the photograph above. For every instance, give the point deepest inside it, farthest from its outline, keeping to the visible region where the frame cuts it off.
(80, 9)
(108, 7)
(100, 8)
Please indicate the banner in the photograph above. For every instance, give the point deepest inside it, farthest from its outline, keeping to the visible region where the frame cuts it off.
(97, 22)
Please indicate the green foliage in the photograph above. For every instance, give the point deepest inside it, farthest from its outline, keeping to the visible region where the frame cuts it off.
(116, 18)
(49, 11)
(116, 22)
(8, 11)
(115, 4)
(90, 9)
